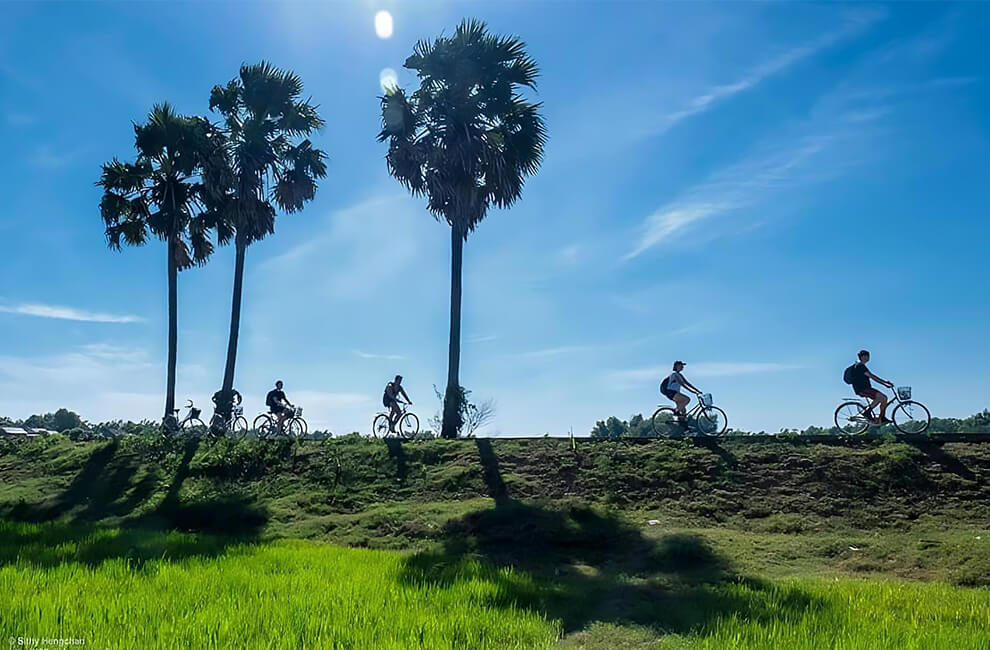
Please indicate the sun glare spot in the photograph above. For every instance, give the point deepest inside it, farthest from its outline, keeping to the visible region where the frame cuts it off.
(388, 79)
(383, 24)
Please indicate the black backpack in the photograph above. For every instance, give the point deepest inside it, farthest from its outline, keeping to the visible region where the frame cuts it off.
(847, 376)
(663, 384)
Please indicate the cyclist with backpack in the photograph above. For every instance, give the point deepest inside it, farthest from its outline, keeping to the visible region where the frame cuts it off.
(390, 400)
(858, 376)
(671, 387)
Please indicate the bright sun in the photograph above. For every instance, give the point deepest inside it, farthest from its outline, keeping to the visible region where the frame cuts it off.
(383, 24)
(388, 79)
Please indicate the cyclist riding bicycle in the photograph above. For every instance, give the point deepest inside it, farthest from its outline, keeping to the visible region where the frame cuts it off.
(278, 404)
(390, 400)
(235, 396)
(672, 386)
(859, 376)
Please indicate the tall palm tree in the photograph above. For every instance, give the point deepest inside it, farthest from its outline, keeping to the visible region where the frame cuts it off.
(163, 194)
(465, 139)
(264, 115)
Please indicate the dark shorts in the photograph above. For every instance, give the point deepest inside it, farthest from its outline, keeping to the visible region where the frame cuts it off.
(669, 393)
(280, 410)
(388, 402)
(868, 393)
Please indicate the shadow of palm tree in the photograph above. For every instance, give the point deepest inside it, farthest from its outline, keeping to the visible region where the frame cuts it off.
(578, 564)
(105, 489)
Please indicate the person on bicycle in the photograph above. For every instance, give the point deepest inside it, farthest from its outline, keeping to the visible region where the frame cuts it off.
(672, 388)
(278, 404)
(235, 397)
(859, 376)
(390, 400)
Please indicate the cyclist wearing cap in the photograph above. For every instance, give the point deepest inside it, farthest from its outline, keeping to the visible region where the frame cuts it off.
(390, 400)
(672, 388)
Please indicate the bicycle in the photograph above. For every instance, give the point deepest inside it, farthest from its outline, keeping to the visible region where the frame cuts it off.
(908, 416)
(190, 425)
(293, 426)
(705, 418)
(236, 425)
(408, 424)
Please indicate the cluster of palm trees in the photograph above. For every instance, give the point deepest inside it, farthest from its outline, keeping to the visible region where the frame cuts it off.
(466, 139)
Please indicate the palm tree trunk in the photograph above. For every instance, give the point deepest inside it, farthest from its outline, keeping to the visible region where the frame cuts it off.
(235, 324)
(173, 280)
(451, 403)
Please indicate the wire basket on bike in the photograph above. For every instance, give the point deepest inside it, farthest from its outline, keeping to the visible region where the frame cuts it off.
(904, 393)
(237, 411)
(706, 399)
(194, 412)
(298, 412)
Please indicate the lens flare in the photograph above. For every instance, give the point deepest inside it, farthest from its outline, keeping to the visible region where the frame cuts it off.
(383, 24)
(388, 79)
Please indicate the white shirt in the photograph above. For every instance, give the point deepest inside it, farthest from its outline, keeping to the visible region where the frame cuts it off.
(675, 382)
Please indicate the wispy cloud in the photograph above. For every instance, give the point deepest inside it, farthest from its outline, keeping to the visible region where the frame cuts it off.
(370, 355)
(46, 157)
(360, 249)
(68, 313)
(732, 188)
(625, 378)
(569, 256)
(482, 339)
(855, 24)
(555, 351)
(21, 119)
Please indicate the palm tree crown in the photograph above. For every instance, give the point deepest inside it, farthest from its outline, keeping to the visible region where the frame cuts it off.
(466, 139)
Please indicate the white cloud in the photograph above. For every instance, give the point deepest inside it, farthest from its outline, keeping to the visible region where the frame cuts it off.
(718, 93)
(556, 351)
(68, 313)
(481, 339)
(45, 157)
(21, 119)
(362, 249)
(737, 186)
(569, 256)
(625, 378)
(370, 355)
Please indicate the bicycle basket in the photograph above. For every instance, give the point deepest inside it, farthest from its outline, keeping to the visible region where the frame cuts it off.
(238, 410)
(706, 399)
(194, 413)
(298, 411)
(903, 392)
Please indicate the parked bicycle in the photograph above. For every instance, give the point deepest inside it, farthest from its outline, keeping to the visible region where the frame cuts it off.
(236, 425)
(190, 425)
(908, 416)
(406, 425)
(293, 426)
(705, 418)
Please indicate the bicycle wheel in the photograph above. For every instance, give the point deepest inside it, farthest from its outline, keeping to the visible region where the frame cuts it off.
(712, 421)
(294, 428)
(379, 428)
(911, 418)
(264, 426)
(305, 426)
(194, 427)
(408, 425)
(239, 428)
(849, 418)
(665, 422)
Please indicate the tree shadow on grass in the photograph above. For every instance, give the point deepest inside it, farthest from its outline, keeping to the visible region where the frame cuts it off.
(398, 454)
(579, 565)
(948, 462)
(94, 519)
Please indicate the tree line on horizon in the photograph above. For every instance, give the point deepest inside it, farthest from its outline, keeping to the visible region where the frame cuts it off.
(465, 139)
(638, 426)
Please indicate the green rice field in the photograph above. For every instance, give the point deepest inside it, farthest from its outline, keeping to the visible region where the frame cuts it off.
(119, 588)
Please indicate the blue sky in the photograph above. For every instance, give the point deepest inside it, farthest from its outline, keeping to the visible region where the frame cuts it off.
(757, 189)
